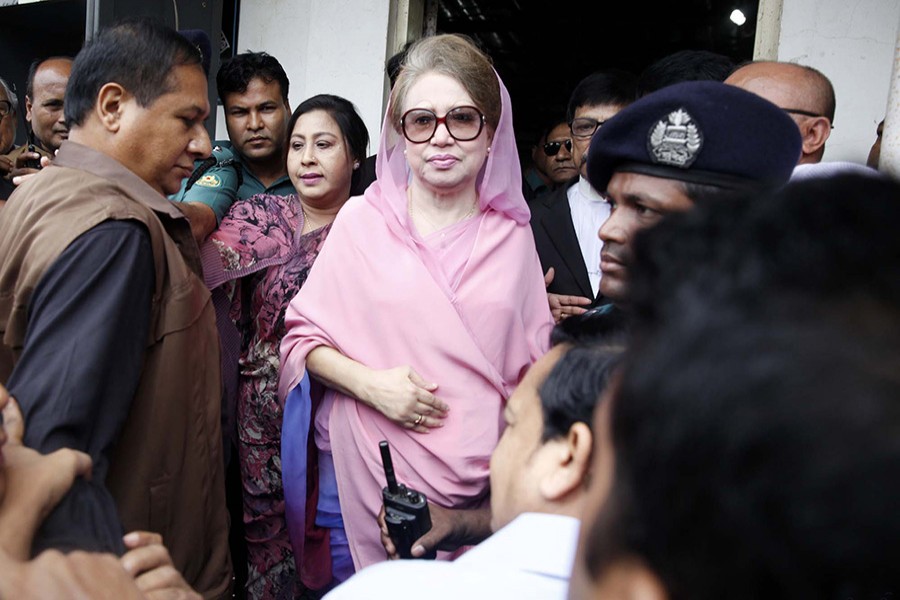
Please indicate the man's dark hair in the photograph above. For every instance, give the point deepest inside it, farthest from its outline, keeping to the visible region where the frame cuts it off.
(574, 385)
(612, 86)
(32, 69)
(139, 54)
(686, 65)
(237, 72)
(395, 63)
(571, 391)
(348, 121)
(756, 426)
(757, 456)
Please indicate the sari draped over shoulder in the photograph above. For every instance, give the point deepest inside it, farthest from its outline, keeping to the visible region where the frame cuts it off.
(383, 296)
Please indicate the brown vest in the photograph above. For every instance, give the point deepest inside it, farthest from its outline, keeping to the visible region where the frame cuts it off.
(166, 472)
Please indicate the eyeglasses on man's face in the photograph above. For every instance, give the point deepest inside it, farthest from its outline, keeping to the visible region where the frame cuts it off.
(463, 123)
(552, 148)
(585, 127)
(5, 108)
(805, 113)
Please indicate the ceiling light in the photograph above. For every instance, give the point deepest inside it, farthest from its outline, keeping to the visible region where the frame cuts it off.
(737, 17)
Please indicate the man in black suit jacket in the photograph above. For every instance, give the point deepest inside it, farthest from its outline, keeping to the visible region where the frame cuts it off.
(562, 241)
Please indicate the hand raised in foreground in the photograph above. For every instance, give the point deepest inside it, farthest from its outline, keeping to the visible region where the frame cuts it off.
(34, 483)
(74, 575)
(450, 530)
(149, 563)
(401, 395)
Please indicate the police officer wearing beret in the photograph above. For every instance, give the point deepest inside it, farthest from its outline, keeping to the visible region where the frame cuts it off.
(672, 147)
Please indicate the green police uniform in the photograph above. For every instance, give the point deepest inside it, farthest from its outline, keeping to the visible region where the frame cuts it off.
(222, 179)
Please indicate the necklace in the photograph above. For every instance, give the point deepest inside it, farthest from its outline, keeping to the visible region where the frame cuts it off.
(306, 221)
(413, 214)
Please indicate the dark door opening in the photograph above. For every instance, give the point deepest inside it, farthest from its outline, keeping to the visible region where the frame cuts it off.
(543, 49)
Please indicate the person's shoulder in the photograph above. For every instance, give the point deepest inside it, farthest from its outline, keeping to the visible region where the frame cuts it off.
(391, 578)
(549, 200)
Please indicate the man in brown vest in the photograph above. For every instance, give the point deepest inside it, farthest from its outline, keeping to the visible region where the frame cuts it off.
(107, 333)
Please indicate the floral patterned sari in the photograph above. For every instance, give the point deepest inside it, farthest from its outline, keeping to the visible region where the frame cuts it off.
(256, 262)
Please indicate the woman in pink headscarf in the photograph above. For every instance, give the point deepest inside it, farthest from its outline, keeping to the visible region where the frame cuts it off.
(426, 305)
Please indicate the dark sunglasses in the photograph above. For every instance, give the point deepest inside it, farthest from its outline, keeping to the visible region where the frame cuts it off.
(805, 113)
(552, 148)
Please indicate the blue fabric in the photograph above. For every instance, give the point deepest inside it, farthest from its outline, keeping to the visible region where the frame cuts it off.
(294, 439)
(328, 514)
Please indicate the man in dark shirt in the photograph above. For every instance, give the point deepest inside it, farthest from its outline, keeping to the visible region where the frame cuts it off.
(108, 333)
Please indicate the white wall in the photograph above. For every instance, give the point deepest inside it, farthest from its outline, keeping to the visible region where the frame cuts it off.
(326, 46)
(853, 43)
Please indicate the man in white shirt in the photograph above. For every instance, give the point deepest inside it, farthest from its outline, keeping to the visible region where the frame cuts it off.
(539, 476)
(565, 221)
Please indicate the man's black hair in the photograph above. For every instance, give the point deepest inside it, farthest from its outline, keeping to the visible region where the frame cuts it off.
(547, 125)
(686, 65)
(237, 72)
(756, 456)
(574, 385)
(138, 53)
(349, 122)
(573, 388)
(32, 70)
(395, 63)
(612, 86)
(756, 426)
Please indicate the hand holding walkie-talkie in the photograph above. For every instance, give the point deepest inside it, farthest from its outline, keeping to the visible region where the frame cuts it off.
(405, 510)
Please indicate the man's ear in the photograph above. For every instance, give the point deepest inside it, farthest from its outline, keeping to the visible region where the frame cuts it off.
(28, 105)
(571, 463)
(110, 104)
(815, 134)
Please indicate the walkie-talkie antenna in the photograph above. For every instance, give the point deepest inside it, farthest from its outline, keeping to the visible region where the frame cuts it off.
(388, 467)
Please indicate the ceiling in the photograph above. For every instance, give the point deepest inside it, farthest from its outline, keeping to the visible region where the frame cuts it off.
(542, 48)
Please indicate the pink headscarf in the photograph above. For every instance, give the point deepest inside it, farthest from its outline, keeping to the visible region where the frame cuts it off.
(379, 295)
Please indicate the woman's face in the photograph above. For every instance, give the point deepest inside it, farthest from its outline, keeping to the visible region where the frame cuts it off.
(319, 162)
(444, 165)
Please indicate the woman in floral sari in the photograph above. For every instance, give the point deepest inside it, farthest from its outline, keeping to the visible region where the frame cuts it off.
(266, 246)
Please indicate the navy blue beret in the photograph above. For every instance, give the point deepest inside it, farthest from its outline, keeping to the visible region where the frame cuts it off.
(701, 132)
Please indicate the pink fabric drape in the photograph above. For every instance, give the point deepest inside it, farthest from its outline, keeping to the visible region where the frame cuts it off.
(381, 296)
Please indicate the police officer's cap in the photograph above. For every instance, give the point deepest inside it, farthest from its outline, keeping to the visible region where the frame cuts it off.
(699, 131)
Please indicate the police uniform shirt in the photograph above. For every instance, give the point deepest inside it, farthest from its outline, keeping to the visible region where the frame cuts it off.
(219, 186)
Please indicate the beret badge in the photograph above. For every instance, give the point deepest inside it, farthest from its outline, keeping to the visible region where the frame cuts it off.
(675, 141)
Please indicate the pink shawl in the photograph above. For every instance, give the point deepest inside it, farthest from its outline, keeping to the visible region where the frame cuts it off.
(380, 296)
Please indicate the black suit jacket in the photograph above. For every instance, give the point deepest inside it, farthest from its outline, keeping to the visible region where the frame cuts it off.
(557, 244)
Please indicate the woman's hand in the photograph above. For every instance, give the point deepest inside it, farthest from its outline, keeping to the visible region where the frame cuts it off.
(149, 563)
(405, 398)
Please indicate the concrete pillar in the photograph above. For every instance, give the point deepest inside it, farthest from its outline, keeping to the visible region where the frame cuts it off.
(325, 46)
(853, 43)
(890, 139)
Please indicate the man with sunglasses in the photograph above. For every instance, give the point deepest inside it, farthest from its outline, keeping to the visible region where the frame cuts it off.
(804, 93)
(551, 158)
(565, 221)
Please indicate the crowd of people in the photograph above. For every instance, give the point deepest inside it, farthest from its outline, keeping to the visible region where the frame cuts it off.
(659, 362)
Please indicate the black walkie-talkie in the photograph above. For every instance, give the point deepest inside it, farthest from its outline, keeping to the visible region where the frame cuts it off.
(405, 510)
